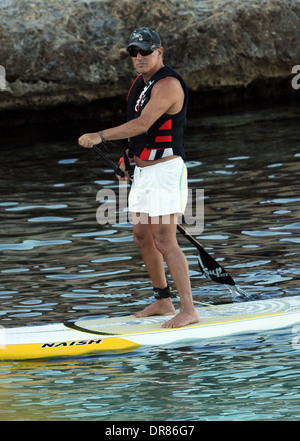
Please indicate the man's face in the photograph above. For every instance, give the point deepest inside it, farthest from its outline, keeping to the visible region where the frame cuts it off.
(146, 63)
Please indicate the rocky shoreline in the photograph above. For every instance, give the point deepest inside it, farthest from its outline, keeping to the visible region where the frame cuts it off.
(61, 57)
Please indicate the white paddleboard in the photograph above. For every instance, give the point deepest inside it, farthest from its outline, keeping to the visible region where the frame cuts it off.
(92, 336)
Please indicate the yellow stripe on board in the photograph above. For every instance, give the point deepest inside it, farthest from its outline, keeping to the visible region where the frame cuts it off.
(65, 349)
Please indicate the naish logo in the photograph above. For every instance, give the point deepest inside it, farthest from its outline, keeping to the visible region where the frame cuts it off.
(71, 343)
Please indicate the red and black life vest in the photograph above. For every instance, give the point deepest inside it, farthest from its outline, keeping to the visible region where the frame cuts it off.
(165, 136)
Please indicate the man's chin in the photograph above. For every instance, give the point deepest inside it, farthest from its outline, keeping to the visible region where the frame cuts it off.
(141, 69)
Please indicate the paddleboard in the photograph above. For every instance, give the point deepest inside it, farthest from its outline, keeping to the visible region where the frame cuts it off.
(92, 336)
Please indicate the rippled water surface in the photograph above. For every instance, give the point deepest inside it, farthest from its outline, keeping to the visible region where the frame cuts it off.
(59, 264)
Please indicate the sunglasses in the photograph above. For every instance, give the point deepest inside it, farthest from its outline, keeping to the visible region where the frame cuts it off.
(133, 52)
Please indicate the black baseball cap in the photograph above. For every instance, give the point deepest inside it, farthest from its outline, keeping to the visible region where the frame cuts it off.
(144, 38)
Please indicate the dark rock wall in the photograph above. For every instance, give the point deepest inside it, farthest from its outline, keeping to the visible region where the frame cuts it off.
(73, 52)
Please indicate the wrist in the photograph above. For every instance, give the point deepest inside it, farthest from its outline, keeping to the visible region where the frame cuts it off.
(102, 136)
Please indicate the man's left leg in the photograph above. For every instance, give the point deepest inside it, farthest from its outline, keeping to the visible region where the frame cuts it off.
(164, 234)
(143, 237)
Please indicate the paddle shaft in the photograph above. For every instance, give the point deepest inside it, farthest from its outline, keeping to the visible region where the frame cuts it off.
(211, 269)
(116, 169)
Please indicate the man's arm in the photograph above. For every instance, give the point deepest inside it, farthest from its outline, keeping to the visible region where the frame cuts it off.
(166, 97)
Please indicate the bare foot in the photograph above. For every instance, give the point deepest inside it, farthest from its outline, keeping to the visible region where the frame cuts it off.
(159, 307)
(182, 319)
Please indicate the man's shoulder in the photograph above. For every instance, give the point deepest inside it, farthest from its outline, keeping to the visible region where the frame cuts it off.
(169, 81)
(167, 75)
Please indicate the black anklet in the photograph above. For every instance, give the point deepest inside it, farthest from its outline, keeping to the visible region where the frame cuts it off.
(163, 293)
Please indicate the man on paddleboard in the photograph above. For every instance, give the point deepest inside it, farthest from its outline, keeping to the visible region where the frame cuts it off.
(156, 114)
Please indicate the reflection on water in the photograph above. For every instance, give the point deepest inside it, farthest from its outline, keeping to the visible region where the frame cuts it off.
(58, 264)
(242, 378)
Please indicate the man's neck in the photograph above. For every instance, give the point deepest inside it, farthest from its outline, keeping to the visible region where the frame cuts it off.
(147, 76)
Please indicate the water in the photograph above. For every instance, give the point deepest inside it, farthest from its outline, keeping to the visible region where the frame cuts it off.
(58, 264)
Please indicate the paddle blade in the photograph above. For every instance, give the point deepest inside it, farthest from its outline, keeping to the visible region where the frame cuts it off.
(212, 270)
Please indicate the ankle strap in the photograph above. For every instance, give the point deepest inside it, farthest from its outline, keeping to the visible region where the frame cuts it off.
(163, 293)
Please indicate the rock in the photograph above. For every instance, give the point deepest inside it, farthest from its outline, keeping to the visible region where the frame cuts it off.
(74, 51)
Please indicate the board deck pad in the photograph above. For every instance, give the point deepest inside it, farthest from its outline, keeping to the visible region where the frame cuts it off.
(208, 315)
(139, 327)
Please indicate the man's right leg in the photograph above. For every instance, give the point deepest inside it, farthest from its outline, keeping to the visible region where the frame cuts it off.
(143, 237)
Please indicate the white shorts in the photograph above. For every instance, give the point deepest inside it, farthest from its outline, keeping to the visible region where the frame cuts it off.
(159, 189)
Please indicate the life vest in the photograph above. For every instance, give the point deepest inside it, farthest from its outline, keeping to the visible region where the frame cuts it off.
(165, 136)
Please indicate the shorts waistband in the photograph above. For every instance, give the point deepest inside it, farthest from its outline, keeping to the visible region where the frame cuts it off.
(160, 164)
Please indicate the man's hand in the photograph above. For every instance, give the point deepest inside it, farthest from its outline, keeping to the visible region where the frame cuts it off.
(126, 176)
(89, 139)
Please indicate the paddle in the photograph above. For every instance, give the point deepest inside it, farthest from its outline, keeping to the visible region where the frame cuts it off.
(211, 269)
